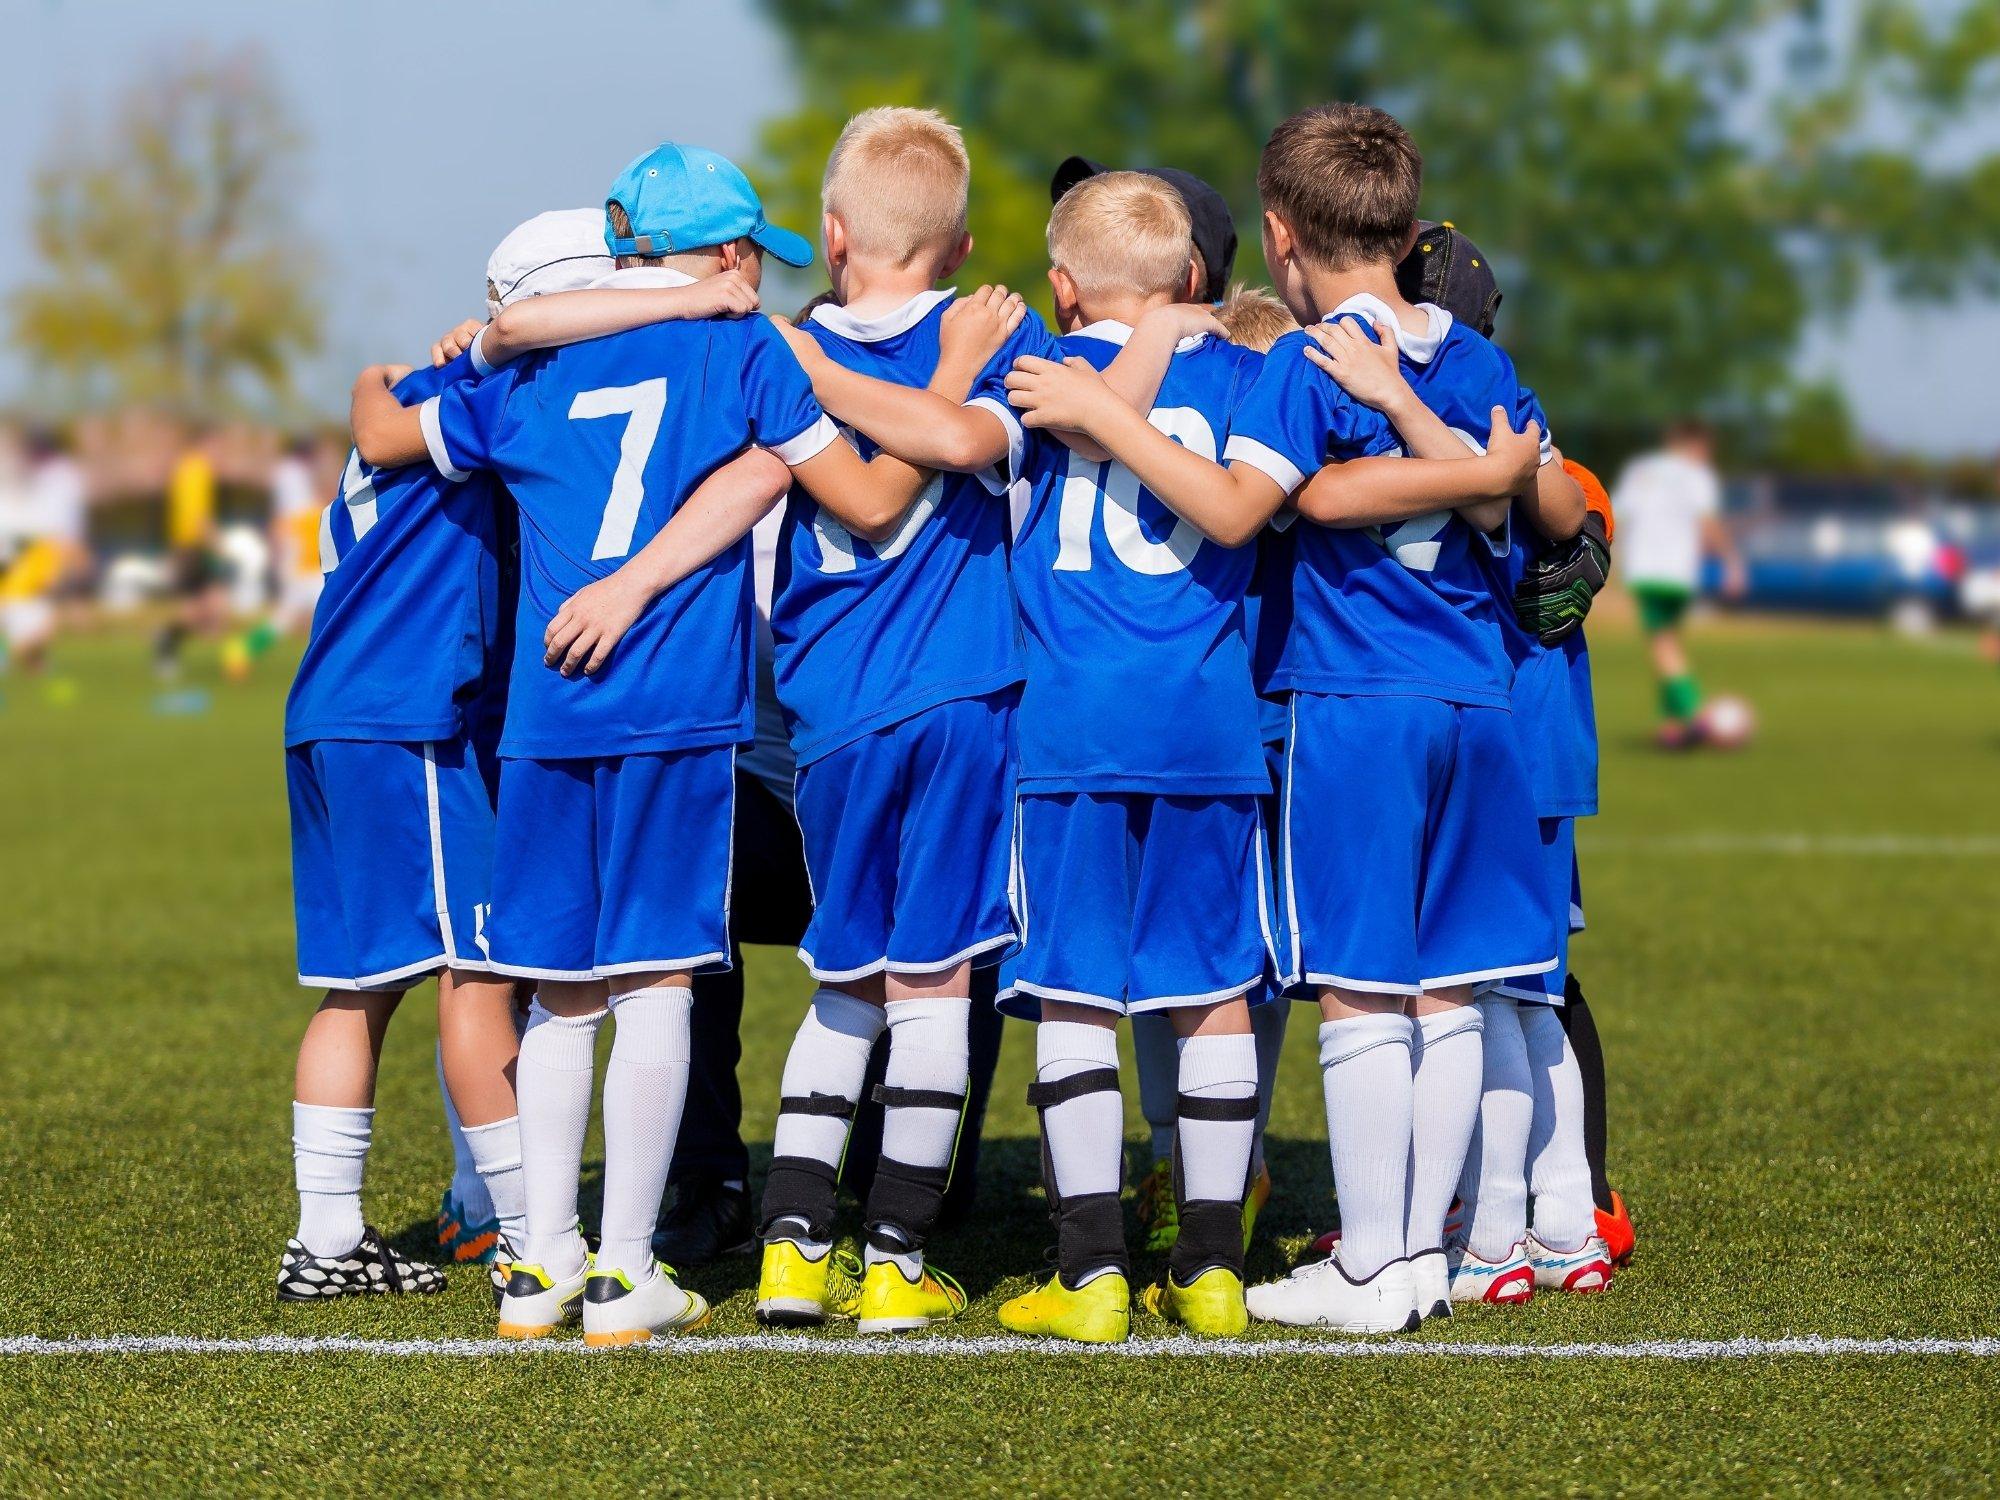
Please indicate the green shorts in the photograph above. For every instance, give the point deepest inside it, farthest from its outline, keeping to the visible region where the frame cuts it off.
(1661, 605)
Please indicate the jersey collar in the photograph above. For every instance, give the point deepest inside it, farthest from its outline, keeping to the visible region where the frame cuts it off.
(837, 319)
(1111, 331)
(643, 276)
(1417, 348)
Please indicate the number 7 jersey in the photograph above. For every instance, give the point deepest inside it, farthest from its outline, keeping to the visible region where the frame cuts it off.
(600, 443)
(1138, 662)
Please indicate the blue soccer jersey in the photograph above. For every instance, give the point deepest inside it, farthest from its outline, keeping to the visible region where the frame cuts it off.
(410, 633)
(600, 443)
(868, 634)
(1138, 659)
(1404, 610)
(1555, 713)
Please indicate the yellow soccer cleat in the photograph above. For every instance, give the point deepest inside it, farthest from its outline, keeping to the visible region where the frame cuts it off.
(1098, 1312)
(892, 1304)
(1210, 1306)
(1254, 1200)
(791, 1288)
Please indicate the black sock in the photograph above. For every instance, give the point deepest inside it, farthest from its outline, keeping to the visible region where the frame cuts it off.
(1582, 1029)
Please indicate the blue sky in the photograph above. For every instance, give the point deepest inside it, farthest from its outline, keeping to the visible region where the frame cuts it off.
(432, 128)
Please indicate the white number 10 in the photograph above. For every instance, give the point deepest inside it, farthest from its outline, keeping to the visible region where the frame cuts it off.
(644, 404)
(1120, 493)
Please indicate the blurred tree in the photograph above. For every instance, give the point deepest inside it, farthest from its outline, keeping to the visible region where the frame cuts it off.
(173, 274)
(1669, 190)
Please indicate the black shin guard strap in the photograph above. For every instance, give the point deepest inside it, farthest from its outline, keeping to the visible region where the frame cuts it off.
(891, 1097)
(799, 1188)
(1090, 1234)
(1211, 1235)
(904, 1201)
(1062, 1090)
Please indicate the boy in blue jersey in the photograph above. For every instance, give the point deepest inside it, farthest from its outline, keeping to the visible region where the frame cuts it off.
(1141, 880)
(612, 839)
(1409, 827)
(1530, 1121)
(389, 733)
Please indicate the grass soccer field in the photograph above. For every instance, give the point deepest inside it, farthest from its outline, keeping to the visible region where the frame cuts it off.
(1791, 955)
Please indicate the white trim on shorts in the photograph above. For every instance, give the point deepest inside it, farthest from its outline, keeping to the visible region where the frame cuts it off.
(1365, 986)
(1285, 823)
(563, 976)
(1130, 1007)
(389, 979)
(1525, 997)
(671, 965)
(1265, 896)
(894, 966)
(1505, 971)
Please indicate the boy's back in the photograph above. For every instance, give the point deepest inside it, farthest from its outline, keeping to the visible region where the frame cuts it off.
(600, 443)
(1139, 667)
(1402, 610)
(868, 634)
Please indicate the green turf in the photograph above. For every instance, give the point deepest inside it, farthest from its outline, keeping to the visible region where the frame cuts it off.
(1802, 1047)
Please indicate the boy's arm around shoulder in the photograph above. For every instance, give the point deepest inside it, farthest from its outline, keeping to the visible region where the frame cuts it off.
(387, 434)
(571, 317)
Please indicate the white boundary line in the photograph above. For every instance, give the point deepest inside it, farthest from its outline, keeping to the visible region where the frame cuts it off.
(1814, 1346)
(1866, 845)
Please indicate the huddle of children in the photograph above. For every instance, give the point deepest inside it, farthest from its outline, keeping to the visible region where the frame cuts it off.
(1170, 674)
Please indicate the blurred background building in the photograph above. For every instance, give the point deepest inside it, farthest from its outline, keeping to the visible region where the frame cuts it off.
(1780, 217)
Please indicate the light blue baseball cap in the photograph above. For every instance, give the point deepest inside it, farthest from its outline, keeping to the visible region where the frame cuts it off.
(683, 198)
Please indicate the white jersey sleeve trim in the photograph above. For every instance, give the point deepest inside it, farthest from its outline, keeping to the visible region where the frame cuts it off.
(1281, 469)
(814, 441)
(477, 353)
(998, 477)
(427, 415)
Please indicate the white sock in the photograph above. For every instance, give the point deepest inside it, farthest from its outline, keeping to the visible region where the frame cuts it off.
(1494, 1185)
(829, 1056)
(1267, 1024)
(496, 1153)
(1155, 1054)
(1215, 1154)
(645, 1091)
(1447, 1079)
(552, 1083)
(930, 1045)
(1365, 1072)
(467, 1190)
(329, 1152)
(1558, 1169)
(1086, 1135)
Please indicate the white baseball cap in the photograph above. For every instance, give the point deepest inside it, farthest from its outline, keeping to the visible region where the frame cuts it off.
(559, 251)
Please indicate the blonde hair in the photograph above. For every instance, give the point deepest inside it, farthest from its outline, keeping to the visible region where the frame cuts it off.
(1254, 317)
(1122, 232)
(897, 180)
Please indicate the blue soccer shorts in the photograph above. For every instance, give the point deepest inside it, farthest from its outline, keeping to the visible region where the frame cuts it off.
(1562, 891)
(907, 833)
(613, 864)
(392, 859)
(1135, 902)
(1411, 859)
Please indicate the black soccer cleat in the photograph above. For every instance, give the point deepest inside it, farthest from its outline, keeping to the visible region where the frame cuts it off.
(369, 1269)
(708, 1220)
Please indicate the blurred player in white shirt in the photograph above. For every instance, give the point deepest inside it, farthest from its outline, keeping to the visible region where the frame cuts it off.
(1669, 509)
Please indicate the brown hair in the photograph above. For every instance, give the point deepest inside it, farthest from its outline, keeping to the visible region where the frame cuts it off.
(621, 228)
(1346, 179)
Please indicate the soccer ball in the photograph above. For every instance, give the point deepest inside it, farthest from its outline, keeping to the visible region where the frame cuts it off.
(1728, 723)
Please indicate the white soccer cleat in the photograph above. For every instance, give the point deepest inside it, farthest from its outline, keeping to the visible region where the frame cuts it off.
(1510, 1280)
(535, 1304)
(1584, 1269)
(618, 1310)
(1431, 1275)
(1321, 1295)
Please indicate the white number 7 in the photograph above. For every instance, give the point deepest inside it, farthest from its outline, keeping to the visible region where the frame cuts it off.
(644, 403)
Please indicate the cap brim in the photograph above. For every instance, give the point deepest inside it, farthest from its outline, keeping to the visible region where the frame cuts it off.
(792, 249)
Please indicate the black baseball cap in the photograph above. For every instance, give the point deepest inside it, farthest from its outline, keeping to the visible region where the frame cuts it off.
(1447, 268)
(1214, 231)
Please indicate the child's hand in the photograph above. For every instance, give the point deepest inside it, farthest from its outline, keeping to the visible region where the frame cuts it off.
(974, 327)
(1370, 372)
(727, 294)
(455, 343)
(1184, 320)
(1513, 456)
(1070, 395)
(591, 622)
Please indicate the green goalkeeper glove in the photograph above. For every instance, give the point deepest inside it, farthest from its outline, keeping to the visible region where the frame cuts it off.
(1555, 594)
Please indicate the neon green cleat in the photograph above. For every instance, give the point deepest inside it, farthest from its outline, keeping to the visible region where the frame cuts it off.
(1098, 1312)
(892, 1304)
(792, 1287)
(1253, 1204)
(1159, 1213)
(1210, 1306)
